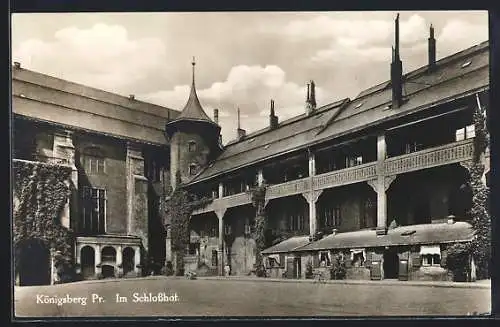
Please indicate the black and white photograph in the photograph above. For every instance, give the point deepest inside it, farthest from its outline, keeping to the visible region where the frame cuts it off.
(250, 164)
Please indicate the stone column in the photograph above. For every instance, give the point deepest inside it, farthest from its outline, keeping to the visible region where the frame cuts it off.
(137, 261)
(381, 184)
(64, 150)
(78, 259)
(311, 198)
(260, 177)
(221, 190)
(137, 197)
(119, 260)
(97, 260)
(220, 248)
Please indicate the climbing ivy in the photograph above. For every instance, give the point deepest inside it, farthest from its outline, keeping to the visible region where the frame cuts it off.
(258, 197)
(179, 208)
(40, 193)
(481, 221)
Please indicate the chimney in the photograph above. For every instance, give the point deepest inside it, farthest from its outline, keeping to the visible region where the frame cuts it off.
(396, 71)
(240, 132)
(131, 97)
(273, 119)
(216, 116)
(17, 64)
(311, 98)
(432, 49)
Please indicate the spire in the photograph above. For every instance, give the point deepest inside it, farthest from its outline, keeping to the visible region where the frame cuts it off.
(193, 63)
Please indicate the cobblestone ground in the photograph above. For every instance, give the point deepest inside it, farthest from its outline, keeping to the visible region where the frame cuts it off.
(247, 298)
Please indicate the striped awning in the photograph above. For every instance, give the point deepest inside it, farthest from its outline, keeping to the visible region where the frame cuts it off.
(430, 249)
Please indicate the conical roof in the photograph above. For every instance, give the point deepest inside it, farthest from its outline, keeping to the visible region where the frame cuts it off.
(193, 109)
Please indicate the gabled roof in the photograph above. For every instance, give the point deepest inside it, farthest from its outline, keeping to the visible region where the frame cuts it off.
(403, 235)
(458, 75)
(46, 98)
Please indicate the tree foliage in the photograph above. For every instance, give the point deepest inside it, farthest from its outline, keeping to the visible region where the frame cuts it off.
(42, 191)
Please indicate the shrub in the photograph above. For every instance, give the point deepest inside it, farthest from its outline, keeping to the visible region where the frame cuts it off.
(457, 260)
(338, 269)
(309, 270)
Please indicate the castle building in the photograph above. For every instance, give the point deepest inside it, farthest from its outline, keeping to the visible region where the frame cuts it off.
(381, 179)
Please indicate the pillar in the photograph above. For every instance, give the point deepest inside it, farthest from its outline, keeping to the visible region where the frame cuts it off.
(311, 198)
(97, 261)
(78, 259)
(260, 177)
(64, 149)
(221, 190)
(220, 246)
(381, 184)
(137, 197)
(137, 261)
(119, 260)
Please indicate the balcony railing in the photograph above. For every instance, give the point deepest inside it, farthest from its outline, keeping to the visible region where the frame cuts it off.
(345, 176)
(438, 156)
(50, 160)
(289, 188)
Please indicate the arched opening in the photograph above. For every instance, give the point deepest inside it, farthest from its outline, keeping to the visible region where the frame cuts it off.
(108, 271)
(128, 260)
(391, 263)
(33, 263)
(87, 260)
(108, 254)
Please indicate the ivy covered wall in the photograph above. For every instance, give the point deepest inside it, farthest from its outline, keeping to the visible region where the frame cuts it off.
(41, 191)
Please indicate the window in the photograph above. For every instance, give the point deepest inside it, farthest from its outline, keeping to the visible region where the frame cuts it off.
(331, 216)
(465, 133)
(192, 169)
(94, 165)
(324, 259)
(431, 260)
(431, 255)
(215, 260)
(93, 160)
(411, 147)
(192, 146)
(155, 172)
(358, 257)
(352, 161)
(94, 210)
(297, 222)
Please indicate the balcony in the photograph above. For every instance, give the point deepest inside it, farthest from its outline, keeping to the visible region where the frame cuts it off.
(437, 156)
(289, 188)
(345, 176)
(226, 202)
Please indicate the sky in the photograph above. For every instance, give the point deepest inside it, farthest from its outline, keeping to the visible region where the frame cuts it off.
(243, 59)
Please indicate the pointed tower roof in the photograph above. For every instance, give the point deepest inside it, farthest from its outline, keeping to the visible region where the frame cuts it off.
(193, 109)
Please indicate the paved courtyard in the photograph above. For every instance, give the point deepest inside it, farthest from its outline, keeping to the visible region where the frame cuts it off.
(212, 297)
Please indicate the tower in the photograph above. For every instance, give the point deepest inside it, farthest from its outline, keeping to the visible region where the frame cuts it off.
(194, 139)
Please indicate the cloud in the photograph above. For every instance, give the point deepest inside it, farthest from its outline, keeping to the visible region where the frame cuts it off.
(103, 56)
(250, 88)
(457, 35)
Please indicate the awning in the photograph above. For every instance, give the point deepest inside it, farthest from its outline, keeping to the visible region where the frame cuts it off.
(357, 251)
(430, 249)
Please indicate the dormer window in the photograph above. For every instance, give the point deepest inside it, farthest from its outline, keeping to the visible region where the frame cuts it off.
(192, 169)
(192, 146)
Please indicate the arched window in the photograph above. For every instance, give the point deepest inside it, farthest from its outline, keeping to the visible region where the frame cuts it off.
(93, 160)
(191, 146)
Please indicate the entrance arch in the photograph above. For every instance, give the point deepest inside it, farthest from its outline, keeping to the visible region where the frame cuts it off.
(87, 259)
(128, 260)
(33, 263)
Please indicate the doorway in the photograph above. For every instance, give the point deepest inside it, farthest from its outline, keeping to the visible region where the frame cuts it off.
(87, 258)
(391, 263)
(33, 263)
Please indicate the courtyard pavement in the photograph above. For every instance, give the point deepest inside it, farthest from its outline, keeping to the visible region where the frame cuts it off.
(231, 297)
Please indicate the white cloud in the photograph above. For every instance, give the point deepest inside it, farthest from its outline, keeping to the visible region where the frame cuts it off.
(457, 35)
(103, 56)
(250, 88)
